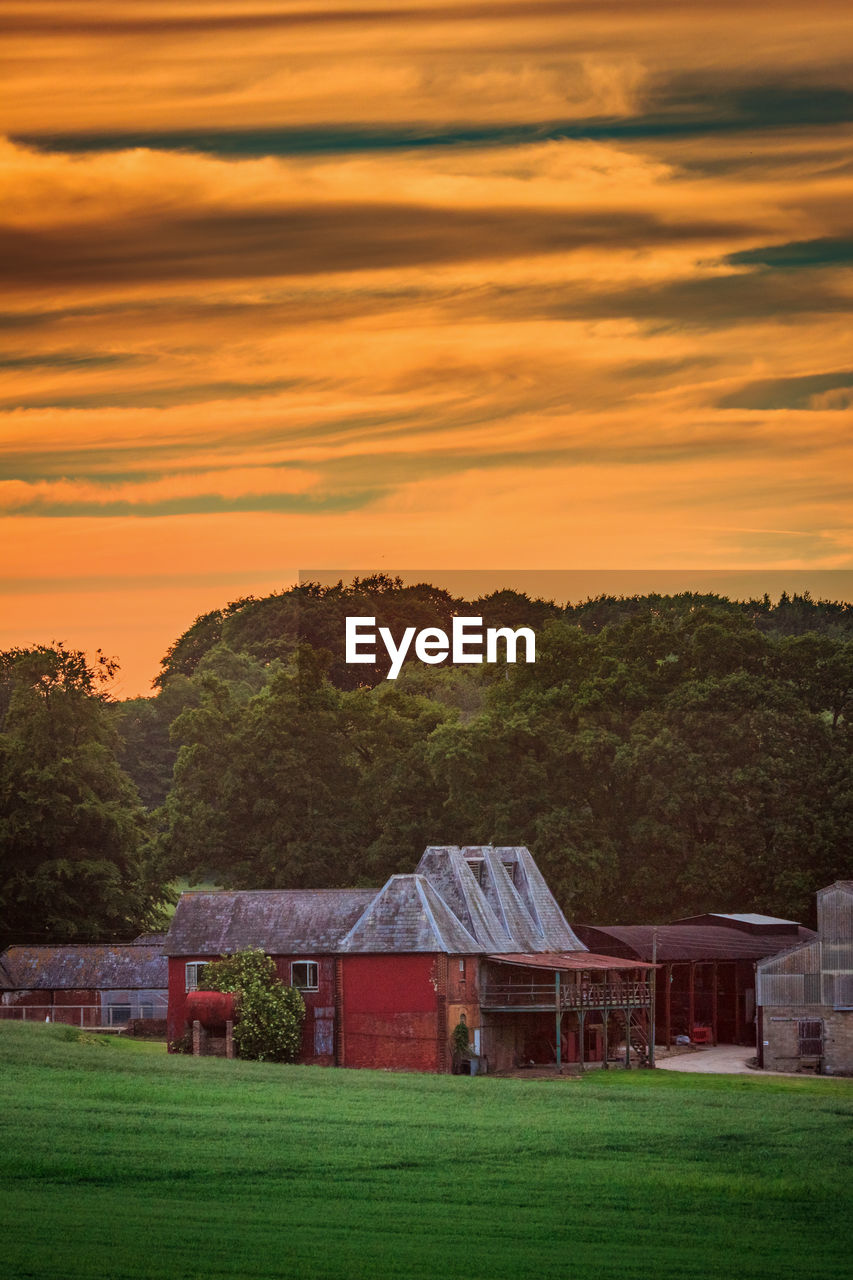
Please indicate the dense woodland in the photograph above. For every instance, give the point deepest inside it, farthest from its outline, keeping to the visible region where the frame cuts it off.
(665, 755)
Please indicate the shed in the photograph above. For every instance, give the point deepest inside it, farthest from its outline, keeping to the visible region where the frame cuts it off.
(92, 985)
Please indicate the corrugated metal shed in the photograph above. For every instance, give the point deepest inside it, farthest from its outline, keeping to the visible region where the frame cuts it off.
(681, 942)
(119, 967)
(282, 921)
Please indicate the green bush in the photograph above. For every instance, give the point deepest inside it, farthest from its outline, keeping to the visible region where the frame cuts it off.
(269, 1014)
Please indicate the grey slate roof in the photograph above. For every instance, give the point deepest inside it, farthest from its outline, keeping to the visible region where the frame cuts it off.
(409, 915)
(443, 907)
(107, 967)
(505, 912)
(282, 921)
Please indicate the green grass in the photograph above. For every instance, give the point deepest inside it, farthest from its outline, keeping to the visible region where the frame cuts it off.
(118, 1161)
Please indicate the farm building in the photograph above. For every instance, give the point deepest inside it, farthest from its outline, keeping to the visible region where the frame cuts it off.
(805, 994)
(473, 936)
(705, 986)
(96, 985)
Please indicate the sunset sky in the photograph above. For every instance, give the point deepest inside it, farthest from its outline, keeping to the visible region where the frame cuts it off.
(535, 285)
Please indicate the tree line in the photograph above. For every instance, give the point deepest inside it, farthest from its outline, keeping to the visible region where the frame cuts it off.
(664, 756)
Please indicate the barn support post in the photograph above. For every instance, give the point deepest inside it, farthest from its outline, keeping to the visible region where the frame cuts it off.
(668, 1000)
(581, 1046)
(714, 1002)
(627, 1037)
(738, 1028)
(691, 997)
(653, 998)
(605, 1014)
(559, 1017)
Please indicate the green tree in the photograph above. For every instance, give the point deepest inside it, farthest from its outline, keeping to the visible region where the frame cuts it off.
(269, 1014)
(74, 859)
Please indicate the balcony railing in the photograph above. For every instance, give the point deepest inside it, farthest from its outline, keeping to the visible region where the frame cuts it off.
(571, 995)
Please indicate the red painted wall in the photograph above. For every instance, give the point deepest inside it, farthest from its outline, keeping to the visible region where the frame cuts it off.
(318, 1028)
(392, 1012)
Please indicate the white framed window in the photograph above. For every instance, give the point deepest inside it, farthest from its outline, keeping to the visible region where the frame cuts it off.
(193, 973)
(305, 975)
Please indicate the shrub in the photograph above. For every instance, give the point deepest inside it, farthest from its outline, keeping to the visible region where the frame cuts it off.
(269, 1014)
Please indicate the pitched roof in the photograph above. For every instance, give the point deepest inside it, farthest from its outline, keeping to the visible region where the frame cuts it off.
(500, 896)
(444, 906)
(282, 921)
(107, 967)
(408, 914)
(676, 942)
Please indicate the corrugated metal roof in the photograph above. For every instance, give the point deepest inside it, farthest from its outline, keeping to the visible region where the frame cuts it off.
(106, 967)
(746, 921)
(573, 961)
(688, 942)
(282, 921)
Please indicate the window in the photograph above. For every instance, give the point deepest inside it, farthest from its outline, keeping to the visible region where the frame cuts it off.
(193, 972)
(462, 974)
(509, 868)
(119, 1014)
(810, 1039)
(477, 867)
(304, 975)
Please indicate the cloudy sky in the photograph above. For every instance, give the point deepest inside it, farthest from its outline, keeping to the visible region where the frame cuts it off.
(535, 284)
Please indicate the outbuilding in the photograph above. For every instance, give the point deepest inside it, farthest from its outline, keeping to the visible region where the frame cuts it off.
(805, 994)
(91, 985)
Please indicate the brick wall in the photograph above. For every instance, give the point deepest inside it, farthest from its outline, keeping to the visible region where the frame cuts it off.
(392, 1012)
(780, 1036)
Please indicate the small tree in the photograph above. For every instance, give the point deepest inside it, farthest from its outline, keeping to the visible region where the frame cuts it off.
(269, 1014)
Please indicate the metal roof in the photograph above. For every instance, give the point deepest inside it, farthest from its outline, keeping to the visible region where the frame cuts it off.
(677, 942)
(747, 921)
(116, 967)
(282, 921)
(574, 961)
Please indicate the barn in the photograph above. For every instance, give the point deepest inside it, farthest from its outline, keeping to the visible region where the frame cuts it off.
(91, 985)
(473, 936)
(705, 987)
(805, 994)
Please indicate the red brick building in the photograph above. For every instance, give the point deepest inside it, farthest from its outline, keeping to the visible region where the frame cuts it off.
(473, 936)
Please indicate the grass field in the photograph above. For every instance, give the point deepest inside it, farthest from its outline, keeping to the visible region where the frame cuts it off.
(118, 1161)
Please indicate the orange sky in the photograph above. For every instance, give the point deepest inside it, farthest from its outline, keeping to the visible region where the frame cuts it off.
(560, 285)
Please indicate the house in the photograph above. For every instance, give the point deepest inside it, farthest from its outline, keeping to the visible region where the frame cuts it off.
(805, 994)
(473, 936)
(92, 985)
(705, 986)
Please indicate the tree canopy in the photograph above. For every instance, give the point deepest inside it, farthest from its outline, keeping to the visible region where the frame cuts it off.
(74, 861)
